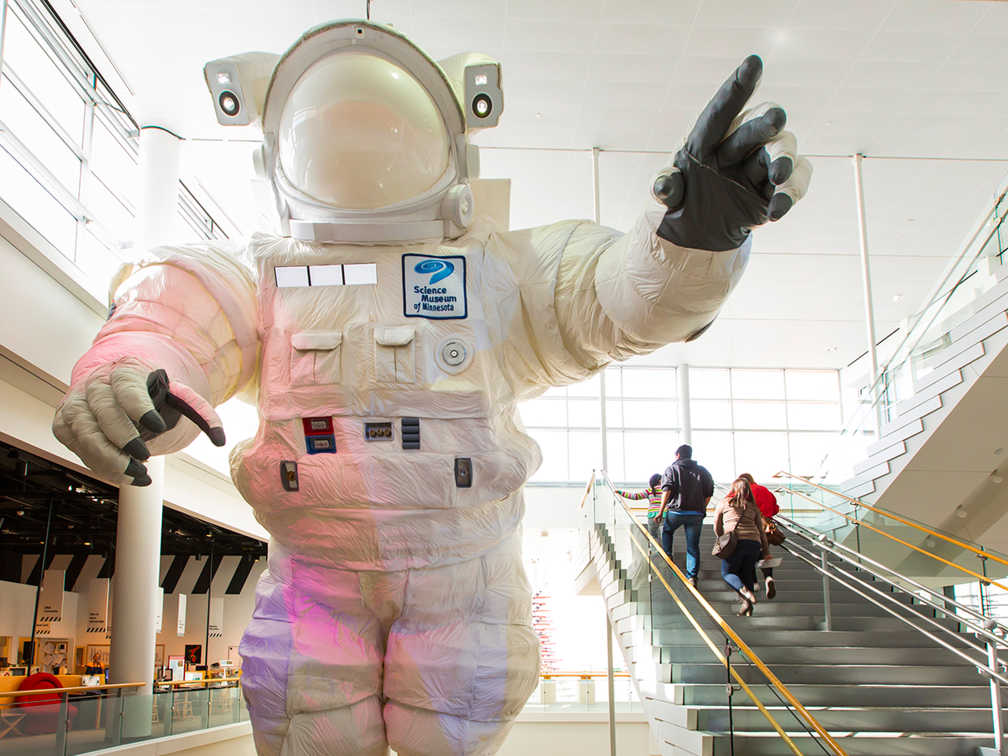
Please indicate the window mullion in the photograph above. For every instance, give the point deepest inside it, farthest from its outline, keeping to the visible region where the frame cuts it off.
(18, 83)
(75, 71)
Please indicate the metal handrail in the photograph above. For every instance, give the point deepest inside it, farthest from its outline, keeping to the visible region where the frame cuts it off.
(727, 630)
(936, 295)
(848, 582)
(925, 552)
(72, 689)
(942, 602)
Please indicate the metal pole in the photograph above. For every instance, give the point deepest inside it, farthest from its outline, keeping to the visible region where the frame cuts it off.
(866, 286)
(602, 381)
(685, 418)
(995, 694)
(38, 588)
(826, 593)
(612, 687)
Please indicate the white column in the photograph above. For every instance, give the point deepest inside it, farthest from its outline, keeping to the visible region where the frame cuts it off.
(602, 382)
(685, 419)
(138, 529)
(869, 305)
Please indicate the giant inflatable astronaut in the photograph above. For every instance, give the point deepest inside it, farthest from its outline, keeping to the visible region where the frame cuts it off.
(390, 336)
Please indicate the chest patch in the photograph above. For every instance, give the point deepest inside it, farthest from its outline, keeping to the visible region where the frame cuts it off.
(434, 287)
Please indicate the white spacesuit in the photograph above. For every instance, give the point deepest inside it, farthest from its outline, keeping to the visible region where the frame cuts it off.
(390, 335)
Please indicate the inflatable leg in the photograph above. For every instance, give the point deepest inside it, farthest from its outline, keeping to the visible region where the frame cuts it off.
(312, 660)
(462, 659)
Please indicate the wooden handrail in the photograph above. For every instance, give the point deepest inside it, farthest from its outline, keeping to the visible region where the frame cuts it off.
(582, 675)
(890, 515)
(74, 689)
(925, 552)
(204, 681)
(741, 644)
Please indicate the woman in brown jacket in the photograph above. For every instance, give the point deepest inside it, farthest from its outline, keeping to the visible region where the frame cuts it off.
(739, 512)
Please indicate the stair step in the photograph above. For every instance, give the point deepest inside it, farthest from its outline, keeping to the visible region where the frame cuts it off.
(769, 637)
(774, 655)
(857, 744)
(900, 434)
(953, 358)
(823, 673)
(829, 694)
(882, 455)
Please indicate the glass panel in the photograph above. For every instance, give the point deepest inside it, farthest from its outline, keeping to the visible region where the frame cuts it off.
(32, 729)
(42, 77)
(650, 413)
(761, 454)
(714, 450)
(113, 164)
(98, 264)
(709, 383)
(617, 468)
(585, 453)
(556, 391)
(649, 382)
(93, 722)
(757, 384)
(808, 451)
(224, 704)
(36, 135)
(588, 387)
(614, 413)
(648, 452)
(759, 415)
(544, 412)
(584, 413)
(109, 212)
(813, 415)
(36, 205)
(553, 444)
(812, 384)
(190, 711)
(710, 413)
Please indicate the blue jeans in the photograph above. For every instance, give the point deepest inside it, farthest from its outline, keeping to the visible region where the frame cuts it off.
(740, 568)
(693, 523)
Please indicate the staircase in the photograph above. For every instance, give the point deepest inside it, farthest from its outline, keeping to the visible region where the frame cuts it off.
(944, 430)
(878, 686)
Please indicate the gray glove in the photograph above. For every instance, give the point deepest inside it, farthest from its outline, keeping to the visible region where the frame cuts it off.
(737, 170)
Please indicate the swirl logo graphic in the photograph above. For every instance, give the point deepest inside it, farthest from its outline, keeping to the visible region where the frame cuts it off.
(439, 269)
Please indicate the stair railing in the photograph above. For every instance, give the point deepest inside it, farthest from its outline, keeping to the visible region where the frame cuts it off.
(990, 634)
(882, 392)
(928, 533)
(622, 511)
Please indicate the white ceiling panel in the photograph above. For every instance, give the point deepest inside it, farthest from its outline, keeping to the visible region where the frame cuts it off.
(889, 78)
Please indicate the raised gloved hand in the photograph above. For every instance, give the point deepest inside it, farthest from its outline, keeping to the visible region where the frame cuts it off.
(737, 169)
(107, 417)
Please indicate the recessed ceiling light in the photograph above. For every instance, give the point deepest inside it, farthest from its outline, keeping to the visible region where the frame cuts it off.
(897, 298)
(832, 348)
(538, 115)
(998, 452)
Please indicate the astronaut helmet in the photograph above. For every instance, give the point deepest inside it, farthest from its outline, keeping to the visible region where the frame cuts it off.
(365, 138)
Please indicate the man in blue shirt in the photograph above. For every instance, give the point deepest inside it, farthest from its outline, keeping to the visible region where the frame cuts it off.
(686, 489)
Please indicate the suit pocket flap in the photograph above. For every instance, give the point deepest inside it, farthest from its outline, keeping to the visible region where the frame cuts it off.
(394, 336)
(316, 340)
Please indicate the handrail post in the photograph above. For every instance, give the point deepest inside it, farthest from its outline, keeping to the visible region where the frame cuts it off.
(995, 694)
(612, 687)
(826, 592)
(64, 714)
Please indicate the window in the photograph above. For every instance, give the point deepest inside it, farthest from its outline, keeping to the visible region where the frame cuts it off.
(69, 152)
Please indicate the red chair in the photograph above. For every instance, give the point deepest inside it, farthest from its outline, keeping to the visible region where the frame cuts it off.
(42, 712)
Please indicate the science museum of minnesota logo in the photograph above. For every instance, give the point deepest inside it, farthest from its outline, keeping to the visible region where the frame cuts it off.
(434, 287)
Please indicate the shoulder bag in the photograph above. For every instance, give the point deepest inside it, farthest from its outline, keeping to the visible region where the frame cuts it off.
(774, 535)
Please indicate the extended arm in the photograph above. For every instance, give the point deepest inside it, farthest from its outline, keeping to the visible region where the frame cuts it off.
(590, 295)
(181, 339)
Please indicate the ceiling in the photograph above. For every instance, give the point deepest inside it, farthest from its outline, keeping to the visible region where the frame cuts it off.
(84, 515)
(913, 84)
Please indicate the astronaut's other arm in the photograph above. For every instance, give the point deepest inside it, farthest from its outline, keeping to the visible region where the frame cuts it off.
(592, 295)
(181, 339)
